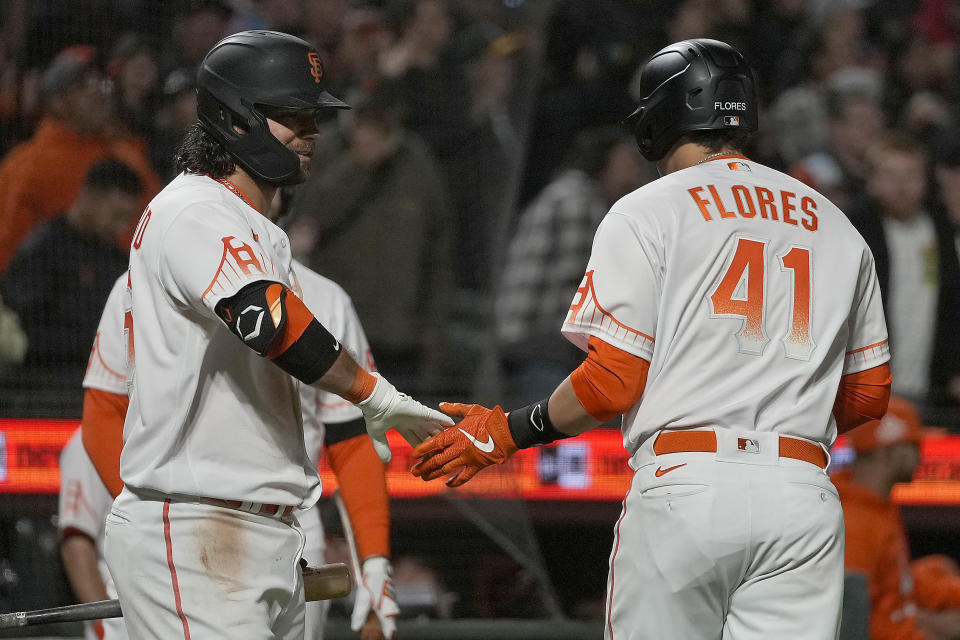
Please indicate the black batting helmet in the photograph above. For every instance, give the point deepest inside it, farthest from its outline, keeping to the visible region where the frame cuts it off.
(248, 73)
(693, 85)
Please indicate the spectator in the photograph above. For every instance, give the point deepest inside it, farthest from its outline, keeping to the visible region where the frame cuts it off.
(837, 43)
(13, 341)
(799, 130)
(490, 58)
(134, 69)
(273, 15)
(197, 26)
(41, 177)
(546, 257)
(906, 603)
(59, 279)
(429, 79)
(364, 40)
(947, 175)
(947, 209)
(177, 113)
(917, 267)
(14, 19)
(383, 232)
(591, 51)
(855, 120)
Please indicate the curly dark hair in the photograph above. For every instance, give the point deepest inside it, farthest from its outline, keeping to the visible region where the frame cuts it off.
(200, 153)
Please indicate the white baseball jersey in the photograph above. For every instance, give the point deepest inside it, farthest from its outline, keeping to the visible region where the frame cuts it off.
(106, 369)
(208, 416)
(84, 505)
(334, 310)
(749, 293)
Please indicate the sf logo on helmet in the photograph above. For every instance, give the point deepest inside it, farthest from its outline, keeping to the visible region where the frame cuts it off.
(316, 67)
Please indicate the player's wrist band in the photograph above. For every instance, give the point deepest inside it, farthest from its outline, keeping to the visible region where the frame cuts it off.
(531, 426)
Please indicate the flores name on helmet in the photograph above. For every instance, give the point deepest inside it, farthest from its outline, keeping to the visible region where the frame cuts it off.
(692, 85)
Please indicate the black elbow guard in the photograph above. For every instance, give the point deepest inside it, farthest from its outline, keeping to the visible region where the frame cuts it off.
(275, 323)
(256, 314)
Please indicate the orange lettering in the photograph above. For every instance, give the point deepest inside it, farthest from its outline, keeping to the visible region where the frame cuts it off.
(700, 202)
(141, 227)
(765, 199)
(242, 254)
(788, 206)
(748, 262)
(798, 344)
(742, 196)
(809, 207)
(128, 333)
(716, 199)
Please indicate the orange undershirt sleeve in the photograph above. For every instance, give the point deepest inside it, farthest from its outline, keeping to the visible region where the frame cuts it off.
(363, 485)
(102, 434)
(298, 318)
(862, 397)
(609, 381)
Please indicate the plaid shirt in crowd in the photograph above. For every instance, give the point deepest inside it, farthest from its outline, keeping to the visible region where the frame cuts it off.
(546, 261)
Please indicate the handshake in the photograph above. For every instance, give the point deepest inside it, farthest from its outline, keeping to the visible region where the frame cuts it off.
(481, 438)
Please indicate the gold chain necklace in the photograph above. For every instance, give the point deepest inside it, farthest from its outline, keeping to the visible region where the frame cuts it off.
(712, 156)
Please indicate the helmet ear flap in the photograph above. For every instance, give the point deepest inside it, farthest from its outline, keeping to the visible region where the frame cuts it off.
(243, 74)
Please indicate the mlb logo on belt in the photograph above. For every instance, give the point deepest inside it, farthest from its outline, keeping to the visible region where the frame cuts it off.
(749, 445)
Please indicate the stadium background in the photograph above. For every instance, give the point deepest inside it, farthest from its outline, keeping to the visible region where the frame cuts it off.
(491, 96)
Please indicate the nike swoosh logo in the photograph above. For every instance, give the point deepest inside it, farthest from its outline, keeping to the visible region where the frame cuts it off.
(336, 345)
(661, 471)
(486, 447)
(536, 420)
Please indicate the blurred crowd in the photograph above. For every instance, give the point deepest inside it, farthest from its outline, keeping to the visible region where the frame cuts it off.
(456, 201)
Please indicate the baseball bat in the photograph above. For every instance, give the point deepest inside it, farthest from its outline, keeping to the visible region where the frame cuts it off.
(348, 535)
(326, 582)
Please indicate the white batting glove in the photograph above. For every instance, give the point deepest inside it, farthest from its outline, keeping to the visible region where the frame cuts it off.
(376, 594)
(386, 408)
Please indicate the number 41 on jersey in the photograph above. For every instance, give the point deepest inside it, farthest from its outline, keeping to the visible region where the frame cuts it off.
(742, 290)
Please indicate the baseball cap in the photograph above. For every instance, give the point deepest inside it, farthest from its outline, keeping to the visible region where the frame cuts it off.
(70, 65)
(900, 424)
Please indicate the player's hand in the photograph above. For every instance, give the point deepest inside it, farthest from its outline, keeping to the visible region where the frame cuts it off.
(386, 408)
(482, 438)
(375, 595)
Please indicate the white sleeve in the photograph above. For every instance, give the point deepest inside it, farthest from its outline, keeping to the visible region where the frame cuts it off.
(84, 500)
(206, 255)
(332, 307)
(106, 369)
(867, 345)
(619, 297)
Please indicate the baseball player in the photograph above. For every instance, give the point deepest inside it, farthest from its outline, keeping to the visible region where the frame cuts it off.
(202, 541)
(84, 504)
(732, 316)
(328, 422)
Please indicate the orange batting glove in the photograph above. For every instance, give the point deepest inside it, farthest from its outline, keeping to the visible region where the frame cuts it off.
(482, 438)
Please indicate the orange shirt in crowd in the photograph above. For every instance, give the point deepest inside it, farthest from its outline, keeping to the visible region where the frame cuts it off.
(876, 545)
(41, 177)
